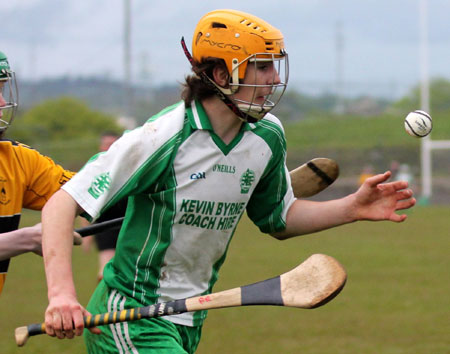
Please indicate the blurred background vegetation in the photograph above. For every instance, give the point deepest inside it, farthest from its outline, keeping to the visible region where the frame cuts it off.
(64, 118)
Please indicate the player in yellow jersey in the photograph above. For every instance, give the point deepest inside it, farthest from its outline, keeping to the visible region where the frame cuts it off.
(27, 180)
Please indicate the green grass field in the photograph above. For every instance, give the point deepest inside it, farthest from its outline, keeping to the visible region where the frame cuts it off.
(396, 299)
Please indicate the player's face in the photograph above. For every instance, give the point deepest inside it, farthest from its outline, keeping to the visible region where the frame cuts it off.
(2, 100)
(8, 103)
(260, 77)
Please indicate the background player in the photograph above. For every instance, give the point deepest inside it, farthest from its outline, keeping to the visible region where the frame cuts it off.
(27, 180)
(189, 174)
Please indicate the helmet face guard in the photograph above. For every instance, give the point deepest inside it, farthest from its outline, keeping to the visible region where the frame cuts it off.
(241, 39)
(9, 93)
(277, 85)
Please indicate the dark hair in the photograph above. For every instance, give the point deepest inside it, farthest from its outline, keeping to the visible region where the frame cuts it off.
(196, 87)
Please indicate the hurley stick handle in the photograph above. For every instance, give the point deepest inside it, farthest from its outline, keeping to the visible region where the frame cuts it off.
(96, 228)
(157, 310)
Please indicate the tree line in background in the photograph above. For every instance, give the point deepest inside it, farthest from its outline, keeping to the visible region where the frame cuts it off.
(65, 118)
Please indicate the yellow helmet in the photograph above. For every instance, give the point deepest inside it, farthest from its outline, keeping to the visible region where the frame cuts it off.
(234, 36)
(239, 38)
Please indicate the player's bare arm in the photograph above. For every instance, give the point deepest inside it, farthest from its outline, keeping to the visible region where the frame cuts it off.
(26, 239)
(64, 314)
(375, 200)
(14, 243)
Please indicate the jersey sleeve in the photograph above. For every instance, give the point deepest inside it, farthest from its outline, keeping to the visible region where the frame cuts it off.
(273, 195)
(132, 165)
(43, 177)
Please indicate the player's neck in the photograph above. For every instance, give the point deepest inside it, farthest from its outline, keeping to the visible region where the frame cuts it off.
(224, 122)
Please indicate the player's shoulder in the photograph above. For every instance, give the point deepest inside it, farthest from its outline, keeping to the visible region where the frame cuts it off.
(174, 111)
(166, 122)
(157, 130)
(15, 145)
(24, 154)
(271, 123)
(270, 128)
(8, 142)
(271, 131)
(269, 117)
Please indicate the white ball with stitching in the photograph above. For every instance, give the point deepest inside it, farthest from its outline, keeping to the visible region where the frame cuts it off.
(418, 124)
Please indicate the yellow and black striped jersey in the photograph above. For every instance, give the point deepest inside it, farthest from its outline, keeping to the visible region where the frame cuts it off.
(27, 180)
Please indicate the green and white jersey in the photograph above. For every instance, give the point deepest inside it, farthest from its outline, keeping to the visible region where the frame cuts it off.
(187, 191)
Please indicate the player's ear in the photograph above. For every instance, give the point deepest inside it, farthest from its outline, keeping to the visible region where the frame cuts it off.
(220, 75)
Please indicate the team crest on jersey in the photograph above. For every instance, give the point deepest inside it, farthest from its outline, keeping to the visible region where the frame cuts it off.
(3, 196)
(247, 179)
(100, 185)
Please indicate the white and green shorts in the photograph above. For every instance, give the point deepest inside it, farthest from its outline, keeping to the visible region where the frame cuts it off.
(155, 335)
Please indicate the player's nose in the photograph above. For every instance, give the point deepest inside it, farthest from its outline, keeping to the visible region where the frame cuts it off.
(275, 79)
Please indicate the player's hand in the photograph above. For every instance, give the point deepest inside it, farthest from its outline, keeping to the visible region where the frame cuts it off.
(378, 200)
(77, 239)
(33, 237)
(64, 318)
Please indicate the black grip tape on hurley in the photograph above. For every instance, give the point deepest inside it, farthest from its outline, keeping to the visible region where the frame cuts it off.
(163, 309)
(35, 329)
(266, 292)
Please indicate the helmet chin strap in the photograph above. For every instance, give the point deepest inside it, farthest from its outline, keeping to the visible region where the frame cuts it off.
(230, 104)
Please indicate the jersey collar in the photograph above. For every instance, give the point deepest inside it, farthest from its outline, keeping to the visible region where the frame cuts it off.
(199, 119)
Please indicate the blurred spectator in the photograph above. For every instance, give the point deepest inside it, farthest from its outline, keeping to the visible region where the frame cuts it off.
(394, 169)
(404, 174)
(366, 173)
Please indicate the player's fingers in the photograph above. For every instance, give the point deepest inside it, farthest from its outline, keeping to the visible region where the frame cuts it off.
(406, 204)
(78, 323)
(95, 330)
(77, 239)
(398, 185)
(404, 194)
(377, 179)
(49, 324)
(67, 321)
(398, 218)
(57, 325)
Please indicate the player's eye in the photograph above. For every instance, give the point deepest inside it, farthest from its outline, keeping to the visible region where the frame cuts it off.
(263, 66)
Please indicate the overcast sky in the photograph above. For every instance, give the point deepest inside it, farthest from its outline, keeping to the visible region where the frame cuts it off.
(380, 52)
